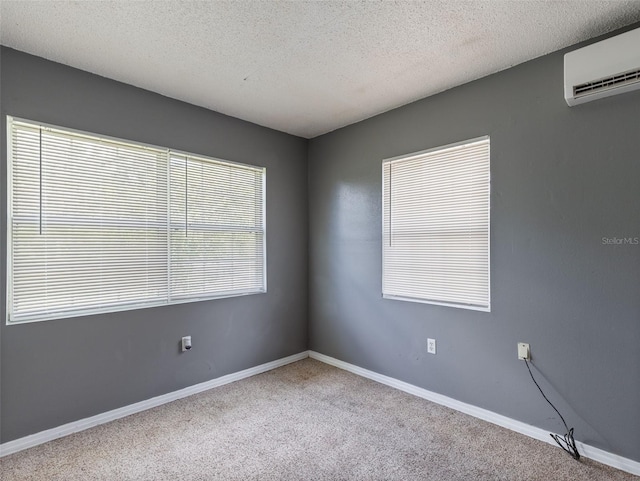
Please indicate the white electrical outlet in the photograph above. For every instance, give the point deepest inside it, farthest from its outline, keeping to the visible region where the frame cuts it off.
(523, 351)
(431, 346)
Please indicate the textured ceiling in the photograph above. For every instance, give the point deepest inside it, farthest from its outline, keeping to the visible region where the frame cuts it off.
(303, 67)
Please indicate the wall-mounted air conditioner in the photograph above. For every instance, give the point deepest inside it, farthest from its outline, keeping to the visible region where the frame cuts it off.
(605, 68)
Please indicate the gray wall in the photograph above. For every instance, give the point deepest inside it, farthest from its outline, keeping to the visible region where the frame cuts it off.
(58, 371)
(562, 178)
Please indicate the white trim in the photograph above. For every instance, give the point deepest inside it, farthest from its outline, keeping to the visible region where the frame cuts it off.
(386, 198)
(9, 190)
(454, 145)
(42, 437)
(264, 229)
(604, 457)
(82, 424)
(169, 298)
(470, 307)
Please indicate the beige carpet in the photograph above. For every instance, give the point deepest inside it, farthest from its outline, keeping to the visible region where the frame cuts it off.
(304, 421)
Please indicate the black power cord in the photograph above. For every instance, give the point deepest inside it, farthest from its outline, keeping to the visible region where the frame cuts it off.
(566, 442)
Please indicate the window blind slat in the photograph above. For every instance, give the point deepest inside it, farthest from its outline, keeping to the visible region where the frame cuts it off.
(99, 224)
(86, 226)
(436, 226)
(217, 205)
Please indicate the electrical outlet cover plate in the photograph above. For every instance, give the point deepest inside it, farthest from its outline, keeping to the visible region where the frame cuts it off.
(431, 346)
(186, 343)
(523, 351)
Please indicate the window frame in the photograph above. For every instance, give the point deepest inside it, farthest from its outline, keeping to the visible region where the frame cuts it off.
(111, 308)
(413, 156)
(177, 299)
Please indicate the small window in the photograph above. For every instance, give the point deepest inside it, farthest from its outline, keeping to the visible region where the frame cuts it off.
(99, 224)
(436, 226)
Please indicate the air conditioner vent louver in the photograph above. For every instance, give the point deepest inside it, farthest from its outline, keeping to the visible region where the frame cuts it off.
(612, 82)
(602, 69)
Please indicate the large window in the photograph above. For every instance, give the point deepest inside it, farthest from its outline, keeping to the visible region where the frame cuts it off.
(98, 224)
(436, 226)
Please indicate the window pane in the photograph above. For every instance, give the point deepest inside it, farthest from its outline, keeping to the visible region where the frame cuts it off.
(436, 226)
(99, 225)
(88, 224)
(217, 228)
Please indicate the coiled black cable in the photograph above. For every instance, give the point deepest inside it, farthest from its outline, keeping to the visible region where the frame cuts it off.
(566, 442)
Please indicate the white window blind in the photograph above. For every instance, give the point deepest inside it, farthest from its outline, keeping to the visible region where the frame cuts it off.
(98, 225)
(436, 226)
(217, 228)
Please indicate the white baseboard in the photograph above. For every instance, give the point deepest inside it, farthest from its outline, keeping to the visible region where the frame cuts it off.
(587, 451)
(82, 424)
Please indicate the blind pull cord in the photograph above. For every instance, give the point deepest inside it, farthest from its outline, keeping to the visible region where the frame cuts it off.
(390, 201)
(186, 196)
(40, 179)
